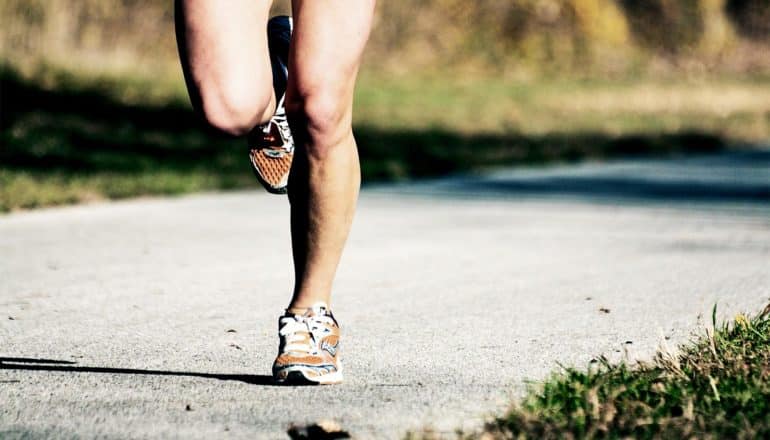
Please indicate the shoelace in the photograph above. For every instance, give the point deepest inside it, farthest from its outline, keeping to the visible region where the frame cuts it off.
(282, 122)
(302, 332)
(297, 335)
(319, 323)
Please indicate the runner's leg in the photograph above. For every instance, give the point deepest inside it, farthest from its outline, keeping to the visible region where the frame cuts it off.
(329, 38)
(224, 53)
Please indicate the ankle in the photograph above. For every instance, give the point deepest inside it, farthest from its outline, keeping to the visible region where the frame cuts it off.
(300, 307)
(293, 310)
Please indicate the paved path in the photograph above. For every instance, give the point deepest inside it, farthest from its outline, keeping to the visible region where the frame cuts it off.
(452, 293)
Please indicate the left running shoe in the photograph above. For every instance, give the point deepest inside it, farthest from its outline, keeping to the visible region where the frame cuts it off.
(271, 146)
(309, 351)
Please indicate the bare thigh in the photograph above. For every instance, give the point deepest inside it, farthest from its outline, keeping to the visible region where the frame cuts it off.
(224, 54)
(328, 42)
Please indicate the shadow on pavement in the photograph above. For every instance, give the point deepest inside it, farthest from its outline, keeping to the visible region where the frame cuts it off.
(76, 130)
(30, 364)
(729, 177)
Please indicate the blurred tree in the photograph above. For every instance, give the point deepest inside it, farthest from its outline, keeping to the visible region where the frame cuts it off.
(667, 26)
(514, 35)
(751, 17)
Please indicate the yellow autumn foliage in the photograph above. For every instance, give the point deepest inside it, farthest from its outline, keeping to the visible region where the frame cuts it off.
(408, 35)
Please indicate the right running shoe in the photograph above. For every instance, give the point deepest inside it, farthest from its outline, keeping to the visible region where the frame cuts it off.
(309, 351)
(271, 146)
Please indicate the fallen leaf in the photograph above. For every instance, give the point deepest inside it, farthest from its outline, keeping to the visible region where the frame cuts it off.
(325, 429)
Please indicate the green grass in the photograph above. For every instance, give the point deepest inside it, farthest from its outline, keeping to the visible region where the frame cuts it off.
(74, 137)
(718, 386)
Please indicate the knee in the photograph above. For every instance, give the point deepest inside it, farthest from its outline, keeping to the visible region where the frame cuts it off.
(234, 108)
(321, 119)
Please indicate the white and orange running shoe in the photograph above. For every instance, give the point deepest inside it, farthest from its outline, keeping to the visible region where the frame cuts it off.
(271, 146)
(309, 351)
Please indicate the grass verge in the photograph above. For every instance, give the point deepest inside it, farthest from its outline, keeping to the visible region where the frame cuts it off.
(716, 387)
(67, 137)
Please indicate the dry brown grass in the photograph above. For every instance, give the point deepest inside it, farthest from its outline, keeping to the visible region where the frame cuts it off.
(713, 99)
(737, 110)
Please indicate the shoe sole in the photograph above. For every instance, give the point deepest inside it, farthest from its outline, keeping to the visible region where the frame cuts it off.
(257, 168)
(297, 377)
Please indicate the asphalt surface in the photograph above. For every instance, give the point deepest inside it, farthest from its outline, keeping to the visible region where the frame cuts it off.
(156, 318)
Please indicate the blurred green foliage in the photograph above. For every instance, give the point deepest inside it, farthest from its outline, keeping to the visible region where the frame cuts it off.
(94, 105)
(68, 138)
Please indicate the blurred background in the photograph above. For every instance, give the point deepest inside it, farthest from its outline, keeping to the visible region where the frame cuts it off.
(94, 106)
